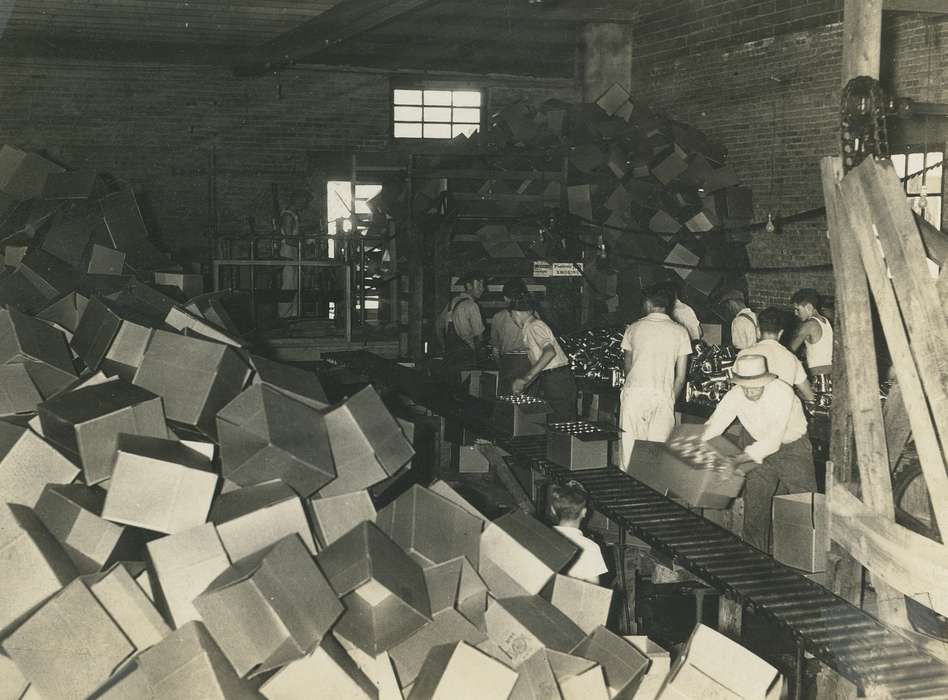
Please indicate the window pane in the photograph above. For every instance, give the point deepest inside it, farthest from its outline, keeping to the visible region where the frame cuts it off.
(468, 116)
(407, 114)
(438, 97)
(408, 97)
(437, 114)
(898, 162)
(933, 176)
(366, 192)
(338, 199)
(466, 129)
(437, 131)
(916, 161)
(465, 98)
(407, 131)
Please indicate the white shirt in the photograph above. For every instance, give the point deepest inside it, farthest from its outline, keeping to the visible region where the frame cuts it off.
(774, 420)
(744, 329)
(780, 361)
(820, 353)
(505, 335)
(589, 565)
(537, 335)
(466, 317)
(656, 342)
(687, 317)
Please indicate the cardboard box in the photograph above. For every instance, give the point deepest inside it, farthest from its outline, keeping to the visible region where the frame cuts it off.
(446, 627)
(159, 485)
(328, 668)
(35, 567)
(382, 588)
(195, 377)
(86, 423)
(261, 440)
(519, 548)
(189, 284)
(623, 665)
(523, 625)
(442, 582)
(184, 565)
(461, 671)
(430, 528)
(70, 646)
(579, 445)
(27, 464)
(193, 326)
(444, 489)
(658, 669)
(296, 383)
(536, 680)
(40, 348)
(588, 685)
(521, 415)
(211, 308)
(72, 514)
(801, 531)
(270, 608)
(253, 518)
(471, 460)
(12, 683)
(185, 664)
(714, 666)
(104, 260)
(367, 443)
(335, 516)
(660, 469)
(480, 383)
(127, 604)
(112, 337)
(586, 604)
(66, 311)
(378, 669)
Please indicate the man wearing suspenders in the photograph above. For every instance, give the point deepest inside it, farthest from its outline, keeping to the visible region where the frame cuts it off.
(462, 328)
(744, 331)
(815, 333)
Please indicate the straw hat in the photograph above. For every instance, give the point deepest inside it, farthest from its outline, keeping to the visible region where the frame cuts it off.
(751, 370)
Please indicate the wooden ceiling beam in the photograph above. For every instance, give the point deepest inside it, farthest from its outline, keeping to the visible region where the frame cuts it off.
(571, 11)
(346, 20)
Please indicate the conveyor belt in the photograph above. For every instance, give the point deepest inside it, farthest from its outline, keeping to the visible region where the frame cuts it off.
(846, 638)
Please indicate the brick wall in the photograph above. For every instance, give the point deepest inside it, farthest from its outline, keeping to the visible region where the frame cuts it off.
(153, 126)
(766, 82)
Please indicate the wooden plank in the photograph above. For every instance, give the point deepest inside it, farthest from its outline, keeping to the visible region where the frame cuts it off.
(507, 478)
(343, 21)
(935, 7)
(856, 336)
(862, 38)
(898, 427)
(916, 356)
(906, 561)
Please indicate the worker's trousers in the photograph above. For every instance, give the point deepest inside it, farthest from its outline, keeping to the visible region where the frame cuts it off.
(789, 470)
(644, 414)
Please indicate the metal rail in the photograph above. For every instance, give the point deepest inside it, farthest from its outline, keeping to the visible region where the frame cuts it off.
(859, 647)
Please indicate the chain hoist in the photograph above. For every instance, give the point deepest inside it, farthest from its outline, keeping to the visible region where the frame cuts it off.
(862, 122)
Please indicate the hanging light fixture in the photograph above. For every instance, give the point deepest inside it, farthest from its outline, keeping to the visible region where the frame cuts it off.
(770, 227)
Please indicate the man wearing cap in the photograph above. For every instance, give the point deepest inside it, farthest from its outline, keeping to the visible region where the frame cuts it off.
(462, 327)
(743, 322)
(777, 456)
(506, 337)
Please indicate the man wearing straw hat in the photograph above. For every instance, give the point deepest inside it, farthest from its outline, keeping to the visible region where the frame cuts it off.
(777, 457)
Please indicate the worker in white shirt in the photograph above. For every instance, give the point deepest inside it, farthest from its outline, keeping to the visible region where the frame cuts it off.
(780, 361)
(549, 366)
(461, 328)
(815, 332)
(684, 314)
(569, 504)
(655, 352)
(506, 337)
(744, 331)
(777, 456)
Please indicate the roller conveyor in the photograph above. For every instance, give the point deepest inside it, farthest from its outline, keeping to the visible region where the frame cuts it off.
(847, 639)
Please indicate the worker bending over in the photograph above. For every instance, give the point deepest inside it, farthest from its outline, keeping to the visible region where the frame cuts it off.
(780, 361)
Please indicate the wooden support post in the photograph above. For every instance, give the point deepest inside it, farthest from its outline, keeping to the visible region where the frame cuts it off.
(730, 617)
(898, 427)
(854, 325)
(862, 38)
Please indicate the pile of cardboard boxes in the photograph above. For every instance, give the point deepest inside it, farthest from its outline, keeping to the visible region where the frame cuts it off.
(180, 518)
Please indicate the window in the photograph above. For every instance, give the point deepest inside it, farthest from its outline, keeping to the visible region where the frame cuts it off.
(339, 212)
(435, 114)
(924, 191)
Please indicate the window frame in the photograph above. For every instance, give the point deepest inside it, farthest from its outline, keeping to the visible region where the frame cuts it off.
(441, 87)
(926, 150)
